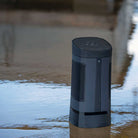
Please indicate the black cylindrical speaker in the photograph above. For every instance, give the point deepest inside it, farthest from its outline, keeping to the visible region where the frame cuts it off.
(91, 82)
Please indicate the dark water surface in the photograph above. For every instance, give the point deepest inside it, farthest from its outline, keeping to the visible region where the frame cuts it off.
(35, 70)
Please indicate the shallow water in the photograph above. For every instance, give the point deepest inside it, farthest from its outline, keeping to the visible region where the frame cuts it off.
(38, 109)
(35, 70)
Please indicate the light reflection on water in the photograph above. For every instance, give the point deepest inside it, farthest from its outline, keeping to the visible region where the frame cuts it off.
(34, 106)
(38, 106)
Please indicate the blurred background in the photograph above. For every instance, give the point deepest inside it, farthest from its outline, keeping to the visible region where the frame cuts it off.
(35, 65)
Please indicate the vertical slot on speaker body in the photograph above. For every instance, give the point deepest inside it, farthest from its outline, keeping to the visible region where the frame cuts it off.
(78, 80)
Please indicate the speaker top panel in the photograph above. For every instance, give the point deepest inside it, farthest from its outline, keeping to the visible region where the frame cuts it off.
(91, 47)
